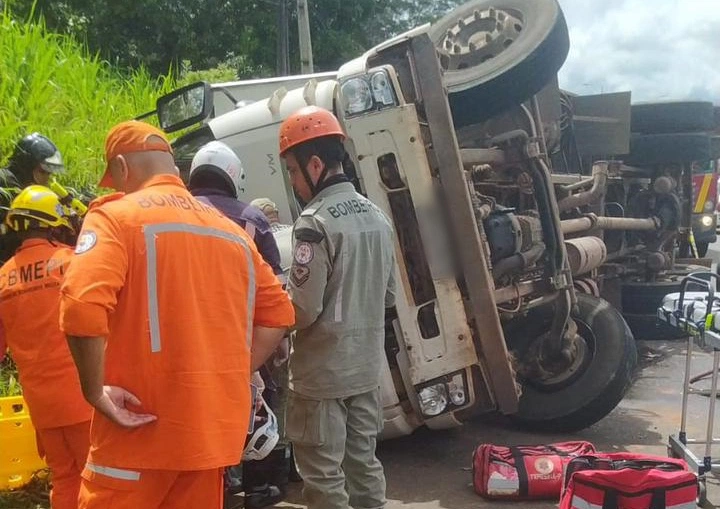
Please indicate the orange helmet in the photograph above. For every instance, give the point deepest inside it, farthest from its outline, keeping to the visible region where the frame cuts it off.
(307, 124)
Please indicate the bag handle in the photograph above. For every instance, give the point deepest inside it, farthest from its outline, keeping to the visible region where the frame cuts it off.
(611, 499)
(523, 480)
(646, 464)
(656, 502)
(658, 499)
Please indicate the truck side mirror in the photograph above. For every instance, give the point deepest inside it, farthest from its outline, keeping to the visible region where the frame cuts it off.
(185, 106)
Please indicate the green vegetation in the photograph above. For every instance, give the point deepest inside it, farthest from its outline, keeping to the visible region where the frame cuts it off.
(9, 385)
(52, 85)
(33, 495)
(162, 34)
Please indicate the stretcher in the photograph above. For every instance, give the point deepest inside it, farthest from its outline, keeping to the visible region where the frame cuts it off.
(697, 313)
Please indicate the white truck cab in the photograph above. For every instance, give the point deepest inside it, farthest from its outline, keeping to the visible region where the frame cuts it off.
(486, 317)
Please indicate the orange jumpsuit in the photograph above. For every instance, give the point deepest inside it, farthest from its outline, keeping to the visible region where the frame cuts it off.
(29, 308)
(176, 289)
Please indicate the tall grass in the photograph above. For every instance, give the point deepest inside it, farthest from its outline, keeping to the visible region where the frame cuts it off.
(51, 84)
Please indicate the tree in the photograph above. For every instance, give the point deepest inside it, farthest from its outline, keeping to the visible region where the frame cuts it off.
(161, 34)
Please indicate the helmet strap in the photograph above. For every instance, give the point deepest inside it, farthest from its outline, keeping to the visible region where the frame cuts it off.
(314, 188)
(308, 180)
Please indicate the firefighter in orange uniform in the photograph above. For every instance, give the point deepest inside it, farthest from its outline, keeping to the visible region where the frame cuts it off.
(168, 309)
(29, 307)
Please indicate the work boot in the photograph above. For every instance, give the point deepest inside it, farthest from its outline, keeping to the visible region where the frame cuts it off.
(260, 480)
(263, 496)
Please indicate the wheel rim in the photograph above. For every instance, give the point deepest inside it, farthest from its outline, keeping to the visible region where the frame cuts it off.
(585, 351)
(480, 37)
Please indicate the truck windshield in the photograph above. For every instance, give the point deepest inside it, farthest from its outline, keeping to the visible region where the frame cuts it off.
(187, 145)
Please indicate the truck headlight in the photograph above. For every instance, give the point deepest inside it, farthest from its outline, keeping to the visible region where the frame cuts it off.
(356, 96)
(433, 399)
(369, 92)
(707, 221)
(456, 388)
(381, 89)
(443, 394)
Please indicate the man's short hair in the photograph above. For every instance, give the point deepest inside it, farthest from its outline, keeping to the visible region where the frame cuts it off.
(329, 149)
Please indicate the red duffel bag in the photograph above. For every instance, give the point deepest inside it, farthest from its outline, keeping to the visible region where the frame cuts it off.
(628, 481)
(523, 472)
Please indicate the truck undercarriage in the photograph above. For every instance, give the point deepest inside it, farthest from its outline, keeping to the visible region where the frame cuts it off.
(521, 228)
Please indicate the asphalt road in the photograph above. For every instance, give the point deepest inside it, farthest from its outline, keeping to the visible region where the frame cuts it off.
(431, 469)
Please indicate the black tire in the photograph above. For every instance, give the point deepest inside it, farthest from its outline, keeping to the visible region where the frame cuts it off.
(649, 328)
(594, 390)
(672, 117)
(702, 500)
(641, 300)
(488, 80)
(650, 149)
(644, 298)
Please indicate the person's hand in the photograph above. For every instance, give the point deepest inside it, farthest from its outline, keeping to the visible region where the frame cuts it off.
(112, 404)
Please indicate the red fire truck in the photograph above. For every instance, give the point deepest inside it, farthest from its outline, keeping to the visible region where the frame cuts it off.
(705, 200)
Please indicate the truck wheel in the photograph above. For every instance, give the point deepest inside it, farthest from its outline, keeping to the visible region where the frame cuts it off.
(645, 297)
(498, 54)
(641, 300)
(672, 117)
(593, 385)
(647, 327)
(649, 149)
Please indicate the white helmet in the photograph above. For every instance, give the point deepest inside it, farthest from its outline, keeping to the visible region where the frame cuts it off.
(219, 158)
(264, 438)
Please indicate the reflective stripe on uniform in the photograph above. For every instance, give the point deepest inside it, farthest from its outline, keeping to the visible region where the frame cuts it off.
(115, 473)
(151, 232)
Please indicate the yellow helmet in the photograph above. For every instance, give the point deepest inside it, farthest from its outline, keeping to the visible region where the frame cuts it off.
(36, 207)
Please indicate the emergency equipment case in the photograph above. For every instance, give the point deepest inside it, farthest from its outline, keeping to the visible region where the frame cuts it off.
(628, 481)
(523, 472)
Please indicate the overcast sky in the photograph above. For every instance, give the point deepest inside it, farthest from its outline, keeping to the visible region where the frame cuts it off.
(657, 49)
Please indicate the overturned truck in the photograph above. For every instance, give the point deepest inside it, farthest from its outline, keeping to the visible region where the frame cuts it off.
(652, 202)
(446, 134)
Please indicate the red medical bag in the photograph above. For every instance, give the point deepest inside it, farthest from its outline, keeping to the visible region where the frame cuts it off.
(628, 481)
(523, 472)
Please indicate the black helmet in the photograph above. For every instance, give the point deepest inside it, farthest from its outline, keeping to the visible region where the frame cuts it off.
(32, 151)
